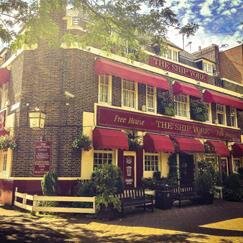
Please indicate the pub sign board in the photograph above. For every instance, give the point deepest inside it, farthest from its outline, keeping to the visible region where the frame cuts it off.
(178, 69)
(42, 158)
(116, 118)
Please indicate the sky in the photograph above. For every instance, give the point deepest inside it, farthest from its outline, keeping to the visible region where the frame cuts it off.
(220, 22)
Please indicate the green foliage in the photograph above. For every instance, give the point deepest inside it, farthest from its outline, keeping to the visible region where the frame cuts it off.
(7, 142)
(107, 179)
(206, 178)
(134, 141)
(232, 182)
(82, 142)
(199, 111)
(166, 104)
(120, 26)
(105, 201)
(49, 184)
(232, 190)
(148, 183)
(189, 29)
(84, 189)
(108, 182)
(49, 188)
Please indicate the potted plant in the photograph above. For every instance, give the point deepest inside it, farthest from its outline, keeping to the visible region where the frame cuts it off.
(82, 142)
(199, 111)
(166, 104)
(205, 182)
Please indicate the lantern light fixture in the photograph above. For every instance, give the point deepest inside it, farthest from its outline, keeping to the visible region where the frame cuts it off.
(37, 118)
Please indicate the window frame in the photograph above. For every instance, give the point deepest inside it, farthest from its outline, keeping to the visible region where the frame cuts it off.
(174, 54)
(209, 105)
(154, 99)
(135, 95)
(187, 103)
(109, 94)
(235, 116)
(146, 166)
(222, 113)
(233, 163)
(103, 152)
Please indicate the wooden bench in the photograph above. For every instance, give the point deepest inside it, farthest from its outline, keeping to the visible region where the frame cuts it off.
(135, 198)
(184, 193)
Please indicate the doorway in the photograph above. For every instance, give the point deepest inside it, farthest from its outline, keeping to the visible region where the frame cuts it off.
(186, 165)
(129, 169)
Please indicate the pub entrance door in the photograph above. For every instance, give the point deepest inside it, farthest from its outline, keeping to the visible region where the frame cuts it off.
(129, 169)
(186, 168)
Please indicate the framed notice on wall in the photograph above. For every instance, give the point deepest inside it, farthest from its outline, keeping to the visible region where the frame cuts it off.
(42, 158)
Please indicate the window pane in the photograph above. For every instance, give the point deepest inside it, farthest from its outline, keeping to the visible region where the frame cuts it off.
(150, 98)
(101, 158)
(104, 88)
(129, 94)
(181, 105)
(151, 163)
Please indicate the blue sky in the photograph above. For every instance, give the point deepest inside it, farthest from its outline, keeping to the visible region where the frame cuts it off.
(220, 21)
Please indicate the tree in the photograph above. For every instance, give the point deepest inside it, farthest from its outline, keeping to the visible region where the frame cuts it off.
(121, 26)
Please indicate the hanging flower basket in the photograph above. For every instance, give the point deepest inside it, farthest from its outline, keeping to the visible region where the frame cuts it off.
(82, 142)
(199, 111)
(166, 105)
(7, 142)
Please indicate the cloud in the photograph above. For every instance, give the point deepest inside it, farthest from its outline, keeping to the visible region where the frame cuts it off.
(206, 8)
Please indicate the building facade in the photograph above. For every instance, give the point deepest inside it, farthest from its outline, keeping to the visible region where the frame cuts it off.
(125, 109)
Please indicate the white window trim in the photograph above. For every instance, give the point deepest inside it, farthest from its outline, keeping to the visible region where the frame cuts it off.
(209, 113)
(136, 96)
(105, 152)
(224, 113)
(109, 90)
(187, 108)
(151, 154)
(236, 118)
(154, 99)
(165, 54)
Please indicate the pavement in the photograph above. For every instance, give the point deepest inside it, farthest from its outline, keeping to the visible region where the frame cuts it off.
(221, 222)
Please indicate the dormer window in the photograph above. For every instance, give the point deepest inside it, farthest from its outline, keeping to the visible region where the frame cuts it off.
(171, 54)
(208, 67)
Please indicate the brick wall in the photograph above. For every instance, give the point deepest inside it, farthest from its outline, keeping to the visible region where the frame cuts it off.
(231, 64)
(47, 74)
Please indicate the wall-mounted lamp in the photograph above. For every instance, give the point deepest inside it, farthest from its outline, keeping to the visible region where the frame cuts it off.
(37, 118)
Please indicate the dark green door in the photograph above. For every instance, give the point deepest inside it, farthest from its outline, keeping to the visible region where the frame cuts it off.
(186, 169)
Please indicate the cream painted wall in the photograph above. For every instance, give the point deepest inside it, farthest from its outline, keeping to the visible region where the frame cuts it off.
(87, 156)
(163, 166)
(9, 123)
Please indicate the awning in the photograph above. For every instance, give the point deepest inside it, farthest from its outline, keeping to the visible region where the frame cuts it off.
(4, 75)
(119, 70)
(157, 143)
(187, 89)
(218, 98)
(189, 145)
(219, 148)
(104, 138)
(237, 150)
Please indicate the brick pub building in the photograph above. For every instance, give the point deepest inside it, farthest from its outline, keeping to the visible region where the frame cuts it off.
(108, 97)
